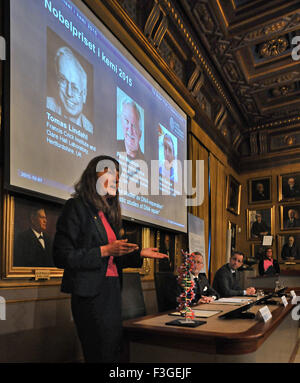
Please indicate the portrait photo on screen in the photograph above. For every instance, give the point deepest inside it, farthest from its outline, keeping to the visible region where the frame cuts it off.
(130, 126)
(69, 84)
(167, 154)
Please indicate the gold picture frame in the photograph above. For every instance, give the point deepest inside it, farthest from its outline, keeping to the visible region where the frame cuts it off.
(233, 234)
(257, 228)
(289, 187)
(286, 256)
(16, 226)
(144, 238)
(260, 190)
(165, 242)
(289, 217)
(258, 251)
(233, 195)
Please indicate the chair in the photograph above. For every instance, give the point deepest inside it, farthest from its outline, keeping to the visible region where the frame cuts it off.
(166, 290)
(133, 304)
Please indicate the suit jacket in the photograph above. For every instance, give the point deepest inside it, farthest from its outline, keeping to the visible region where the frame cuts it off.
(202, 287)
(270, 271)
(121, 148)
(258, 228)
(292, 223)
(226, 284)
(288, 251)
(291, 193)
(76, 249)
(30, 253)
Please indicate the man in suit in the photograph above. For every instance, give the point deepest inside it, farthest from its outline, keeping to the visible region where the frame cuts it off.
(259, 193)
(204, 293)
(72, 89)
(289, 249)
(292, 220)
(33, 247)
(227, 281)
(259, 227)
(168, 263)
(291, 189)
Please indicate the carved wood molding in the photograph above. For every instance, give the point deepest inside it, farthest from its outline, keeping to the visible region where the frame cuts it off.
(157, 21)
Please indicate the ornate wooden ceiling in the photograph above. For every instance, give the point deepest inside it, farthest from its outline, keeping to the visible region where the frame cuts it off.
(250, 42)
(232, 61)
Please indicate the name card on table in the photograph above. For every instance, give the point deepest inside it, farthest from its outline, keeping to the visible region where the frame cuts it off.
(265, 313)
(284, 300)
(294, 297)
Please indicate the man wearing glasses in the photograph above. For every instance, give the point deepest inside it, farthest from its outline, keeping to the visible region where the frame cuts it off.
(72, 89)
(131, 127)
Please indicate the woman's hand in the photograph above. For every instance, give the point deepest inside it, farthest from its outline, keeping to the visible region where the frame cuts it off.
(152, 252)
(118, 248)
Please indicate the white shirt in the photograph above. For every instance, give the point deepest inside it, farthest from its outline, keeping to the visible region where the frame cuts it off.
(41, 240)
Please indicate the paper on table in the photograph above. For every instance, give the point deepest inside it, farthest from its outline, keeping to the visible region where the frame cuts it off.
(205, 313)
(232, 301)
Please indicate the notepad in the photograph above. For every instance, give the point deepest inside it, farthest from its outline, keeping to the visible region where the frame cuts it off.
(232, 301)
(206, 313)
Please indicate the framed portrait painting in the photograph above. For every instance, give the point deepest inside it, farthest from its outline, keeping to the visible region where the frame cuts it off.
(135, 233)
(260, 222)
(289, 248)
(290, 217)
(232, 228)
(258, 251)
(233, 195)
(259, 190)
(29, 229)
(165, 242)
(289, 187)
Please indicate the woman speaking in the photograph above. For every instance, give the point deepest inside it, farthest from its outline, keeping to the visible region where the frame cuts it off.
(88, 247)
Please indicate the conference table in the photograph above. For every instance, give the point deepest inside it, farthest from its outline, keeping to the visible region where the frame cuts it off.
(149, 339)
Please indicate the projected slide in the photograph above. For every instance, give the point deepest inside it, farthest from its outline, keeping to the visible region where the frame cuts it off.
(76, 93)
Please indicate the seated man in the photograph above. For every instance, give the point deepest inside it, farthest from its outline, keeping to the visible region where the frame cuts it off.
(293, 220)
(204, 293)
(290, 249)
(227, 278)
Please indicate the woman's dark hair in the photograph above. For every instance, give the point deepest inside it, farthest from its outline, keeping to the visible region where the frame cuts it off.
(86, 189)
